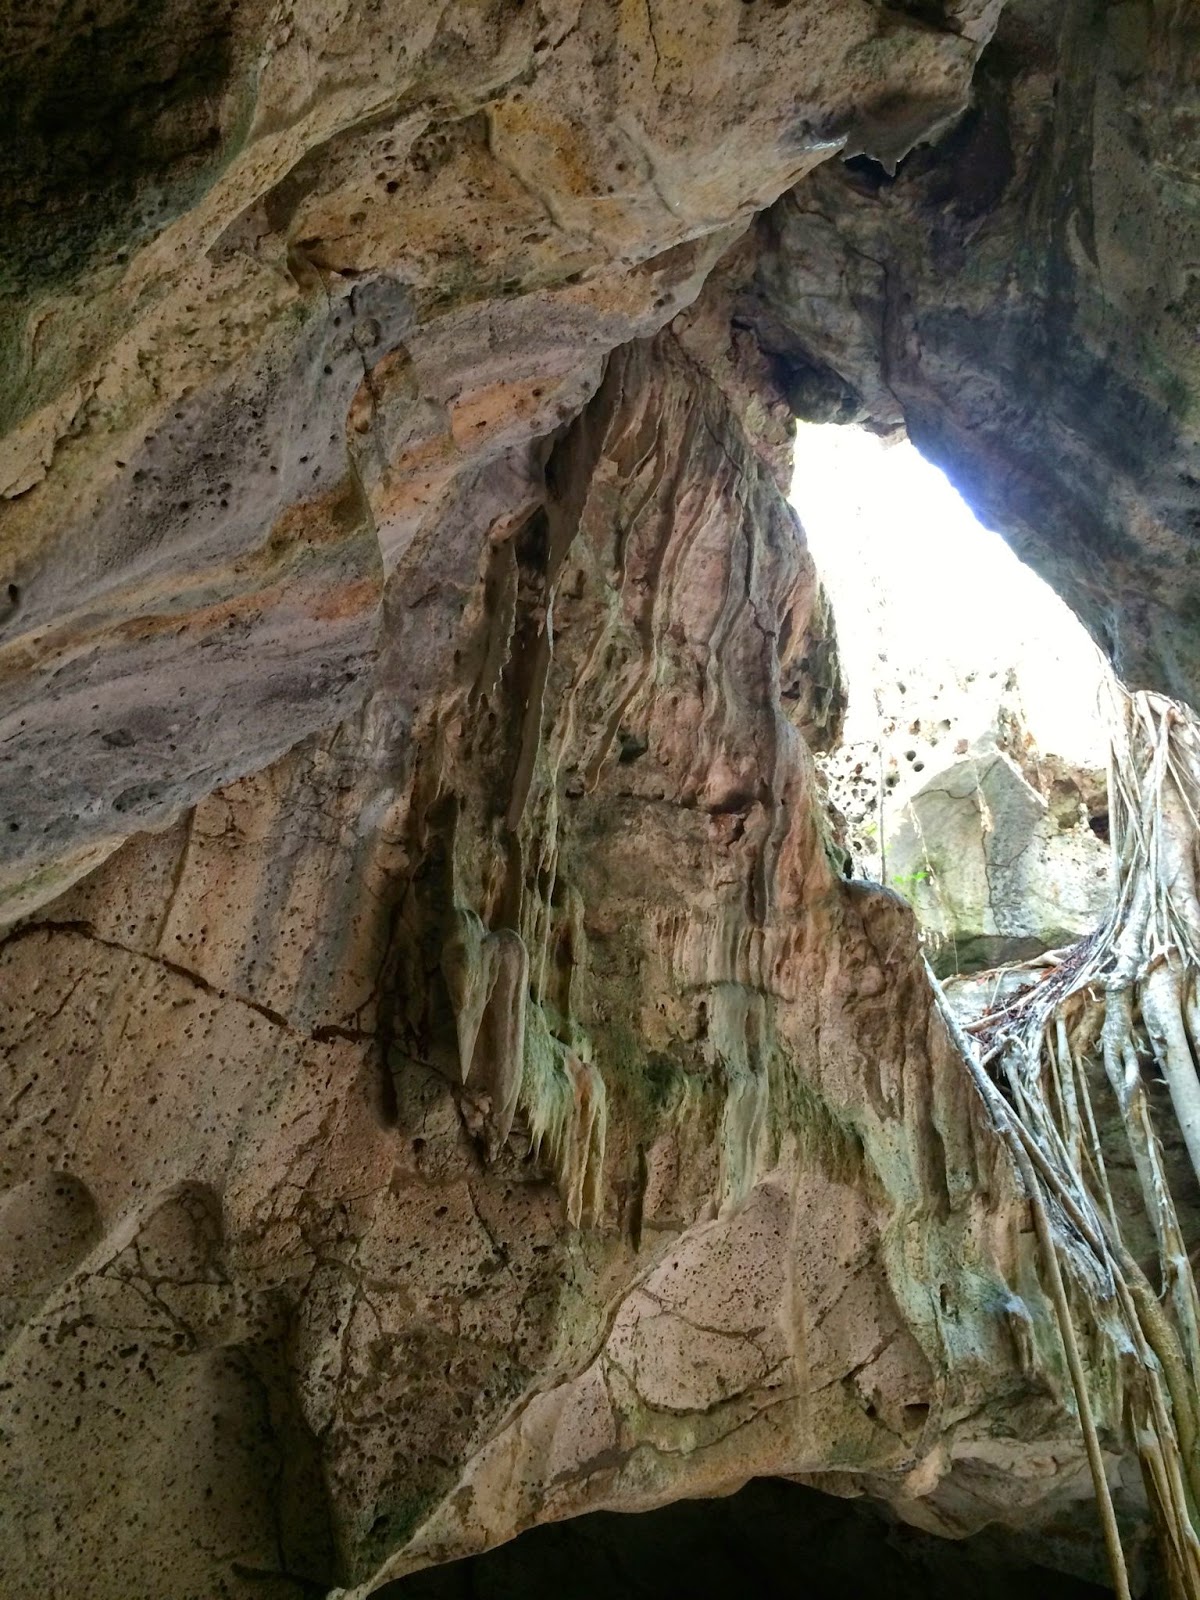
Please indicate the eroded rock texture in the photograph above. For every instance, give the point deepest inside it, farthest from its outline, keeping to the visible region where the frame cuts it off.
(302, 1088)
(492, 1103)
(1024, 297)
(790, 1543)
(500, 1107)
(304, 273)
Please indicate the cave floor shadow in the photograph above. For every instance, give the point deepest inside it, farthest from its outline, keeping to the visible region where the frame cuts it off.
(771, 1539)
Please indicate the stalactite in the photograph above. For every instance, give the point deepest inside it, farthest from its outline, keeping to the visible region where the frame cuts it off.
(564, 1102)
(487, 975)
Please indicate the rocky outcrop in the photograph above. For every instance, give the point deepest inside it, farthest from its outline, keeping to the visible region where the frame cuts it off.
(1002, 851)
(500, 1108)
(1023, 297)
(302, 278)
(992, 873)
(462, 1092)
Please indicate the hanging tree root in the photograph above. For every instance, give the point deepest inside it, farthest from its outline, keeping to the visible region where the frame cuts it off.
(1127, 1000)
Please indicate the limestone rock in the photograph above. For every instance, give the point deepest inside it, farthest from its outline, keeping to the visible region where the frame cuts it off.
(993, 874)
(498, 1108)
(463, 1094)
(281, 285)
(1022, 297)
(795, 1544)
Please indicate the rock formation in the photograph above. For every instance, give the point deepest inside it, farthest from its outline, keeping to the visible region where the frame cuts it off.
(509, 1099)
(790, 1543)
(308, 277)
(991, 872)
(971, 774)
(448, 1085)
(1023, 296)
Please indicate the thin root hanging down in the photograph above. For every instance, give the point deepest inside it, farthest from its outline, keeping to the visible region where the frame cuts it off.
(1125, 1000)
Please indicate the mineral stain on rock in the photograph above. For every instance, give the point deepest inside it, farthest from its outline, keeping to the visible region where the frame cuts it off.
(446, 1085)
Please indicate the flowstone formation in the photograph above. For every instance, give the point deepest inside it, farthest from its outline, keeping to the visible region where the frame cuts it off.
(507, 1110)
(448, 1084)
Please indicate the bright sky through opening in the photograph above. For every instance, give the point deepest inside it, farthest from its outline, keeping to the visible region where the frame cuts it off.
(902, 555)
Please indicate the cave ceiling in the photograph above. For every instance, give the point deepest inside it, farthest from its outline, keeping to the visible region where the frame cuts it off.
(448, 1085)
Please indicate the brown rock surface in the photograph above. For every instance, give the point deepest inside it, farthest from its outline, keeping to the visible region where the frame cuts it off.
(789, 1542)
(306, 272)
(480, 1100)
(499, 1108)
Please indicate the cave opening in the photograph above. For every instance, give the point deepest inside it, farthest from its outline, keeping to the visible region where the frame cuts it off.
(1054, 841)
(971, 772)
(774, 1539)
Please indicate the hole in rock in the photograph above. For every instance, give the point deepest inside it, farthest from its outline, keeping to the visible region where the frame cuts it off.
(771, 1539)
(970, 775)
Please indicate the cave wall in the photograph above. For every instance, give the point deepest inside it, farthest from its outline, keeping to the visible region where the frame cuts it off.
(501, 1107)
(304, 273)
(789, 1542)
(448, 1085)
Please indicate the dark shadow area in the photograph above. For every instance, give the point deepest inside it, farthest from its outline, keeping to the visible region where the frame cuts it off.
(772, 1540)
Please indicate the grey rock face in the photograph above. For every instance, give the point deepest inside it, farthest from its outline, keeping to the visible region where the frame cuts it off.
(993, 874)
(1023, 297)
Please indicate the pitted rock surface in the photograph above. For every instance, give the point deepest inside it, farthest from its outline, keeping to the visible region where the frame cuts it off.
(447, 1084)
(307, 270)
(500, 1108)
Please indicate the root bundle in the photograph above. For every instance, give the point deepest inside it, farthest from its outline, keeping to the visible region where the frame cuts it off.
(1125, 1000)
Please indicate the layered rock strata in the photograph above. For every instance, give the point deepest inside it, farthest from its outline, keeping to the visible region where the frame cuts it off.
(462, 1092)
